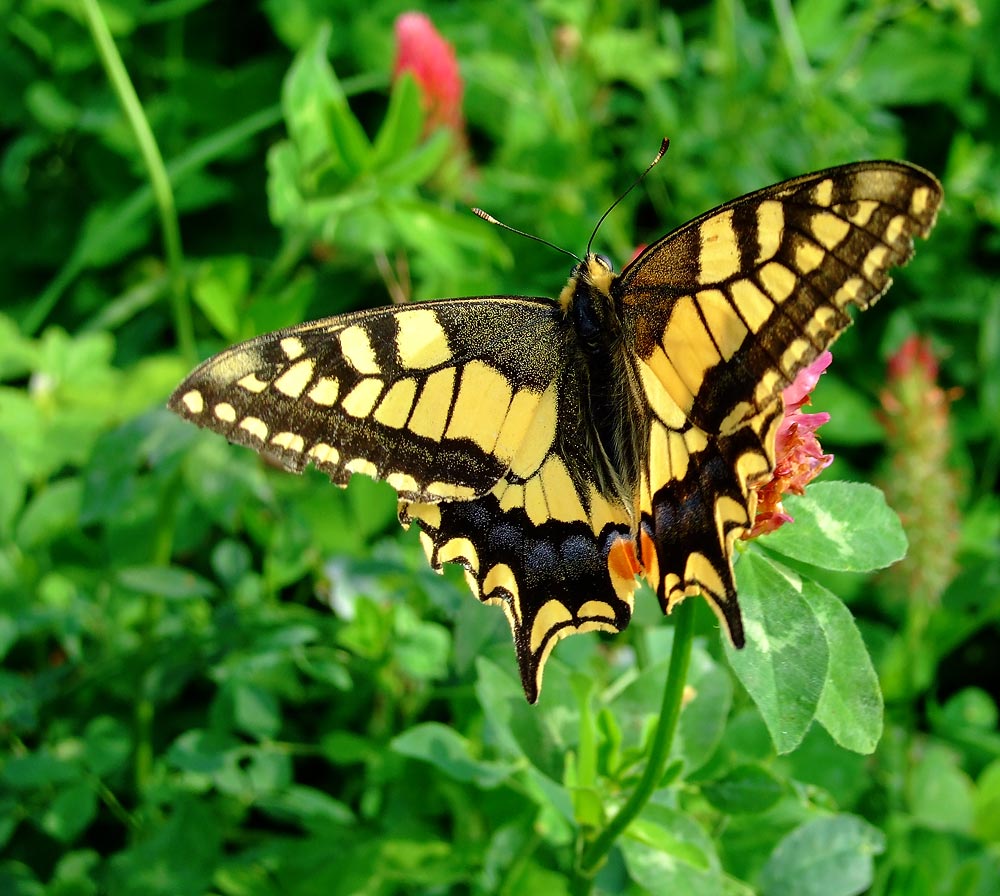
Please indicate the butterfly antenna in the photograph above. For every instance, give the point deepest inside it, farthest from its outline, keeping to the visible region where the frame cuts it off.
(486, 216)
(664, 145)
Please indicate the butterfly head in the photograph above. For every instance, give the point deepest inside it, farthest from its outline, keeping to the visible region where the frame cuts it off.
(595, 272)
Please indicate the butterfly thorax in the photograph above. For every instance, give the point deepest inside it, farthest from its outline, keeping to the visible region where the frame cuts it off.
(603, 363)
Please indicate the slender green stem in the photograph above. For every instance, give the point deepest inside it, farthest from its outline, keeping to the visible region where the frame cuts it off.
(160, 182)
(673, 691)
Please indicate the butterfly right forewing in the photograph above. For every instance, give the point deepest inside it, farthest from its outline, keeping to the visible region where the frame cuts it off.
(729, 307)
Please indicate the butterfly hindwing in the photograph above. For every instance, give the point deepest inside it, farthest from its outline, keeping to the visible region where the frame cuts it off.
(555, 571)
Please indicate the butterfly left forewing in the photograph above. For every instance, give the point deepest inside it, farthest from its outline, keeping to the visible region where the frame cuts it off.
(472, 411)
(421, 396)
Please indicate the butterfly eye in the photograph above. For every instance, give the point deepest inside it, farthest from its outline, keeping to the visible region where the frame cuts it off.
(604, 260)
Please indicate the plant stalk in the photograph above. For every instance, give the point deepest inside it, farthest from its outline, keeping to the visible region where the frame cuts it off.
(673, 692)
(158, 178)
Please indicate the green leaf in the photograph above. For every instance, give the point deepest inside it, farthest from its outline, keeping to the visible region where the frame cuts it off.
(986, 803)
(891, 74)
(403, 122)
(165, 581)
(38, 771)
(107, 745)
(417, 165)
(824, 857)
(220, 287)
(819, 761)
(15, 488)
(840, 525)
(179, 855)
(666, 851)
(307, 807)
(421, 648)
(70, 812)
(745, 788)
(346, 748)
(633, 55)
(784, 663)
(320, 121)
(18, 354)
(75, 874)
(851, 705)
(51, 513)
(17, 879)
(940, 792)
(253, 710)
(703, 721)
(447, 750)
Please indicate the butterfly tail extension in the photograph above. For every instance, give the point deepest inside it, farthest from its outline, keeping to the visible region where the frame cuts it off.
(552, 578)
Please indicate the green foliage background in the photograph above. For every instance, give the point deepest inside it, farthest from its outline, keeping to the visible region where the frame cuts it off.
(223, 679)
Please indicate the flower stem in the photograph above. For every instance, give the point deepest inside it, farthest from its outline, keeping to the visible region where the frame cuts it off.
(680, 658)
(159, 181)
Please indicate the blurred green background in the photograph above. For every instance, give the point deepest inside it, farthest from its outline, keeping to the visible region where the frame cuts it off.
(223, 679)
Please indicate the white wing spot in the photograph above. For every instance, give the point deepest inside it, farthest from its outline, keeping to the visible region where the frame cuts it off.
(895, 228)
(719, 251)
(193, 401)
(402, 482)
(770, 229)
(324, 454)
(255, 426)
(360, 401)
(225, 412)
(822, 193)
(422, 342)
(252, 384)
(325, 391)
(362, 466)
(294, 380)
(357, 348)
(290, 441)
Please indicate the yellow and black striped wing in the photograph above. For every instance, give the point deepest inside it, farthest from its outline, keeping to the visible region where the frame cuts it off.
(549, 548)
(472, 411)
(434, 398)
(725, 311)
